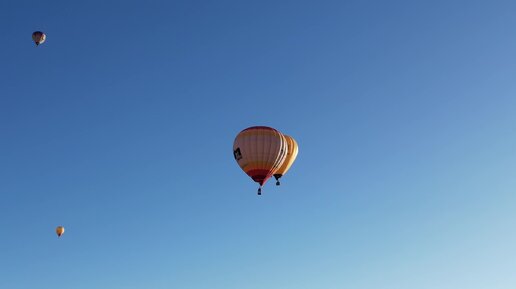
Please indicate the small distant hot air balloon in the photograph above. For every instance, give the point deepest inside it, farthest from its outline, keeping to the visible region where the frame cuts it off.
(59, 231)
(38, 37)
(289, 160)
(260, 151)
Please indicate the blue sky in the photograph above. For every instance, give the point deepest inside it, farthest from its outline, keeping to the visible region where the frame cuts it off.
(120, 128)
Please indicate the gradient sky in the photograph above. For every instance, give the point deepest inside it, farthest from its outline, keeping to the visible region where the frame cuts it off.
(120, 128)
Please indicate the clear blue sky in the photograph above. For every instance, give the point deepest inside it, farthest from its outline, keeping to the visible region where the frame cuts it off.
(120, 128)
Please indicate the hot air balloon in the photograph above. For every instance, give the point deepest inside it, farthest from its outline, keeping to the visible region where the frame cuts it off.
(38, 37)
(260, 151)
(289, 160)
(59, 231)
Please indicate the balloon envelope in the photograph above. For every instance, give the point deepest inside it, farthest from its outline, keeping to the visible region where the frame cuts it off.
(38, 37)
(260, 151)
(292, 152)
(60, 231)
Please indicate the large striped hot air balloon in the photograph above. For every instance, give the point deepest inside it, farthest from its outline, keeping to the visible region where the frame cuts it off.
(38, 37)
(260, 151)
(289, 160)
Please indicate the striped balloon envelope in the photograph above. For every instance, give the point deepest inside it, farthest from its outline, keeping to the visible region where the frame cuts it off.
(289, 160)
(260, 151)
